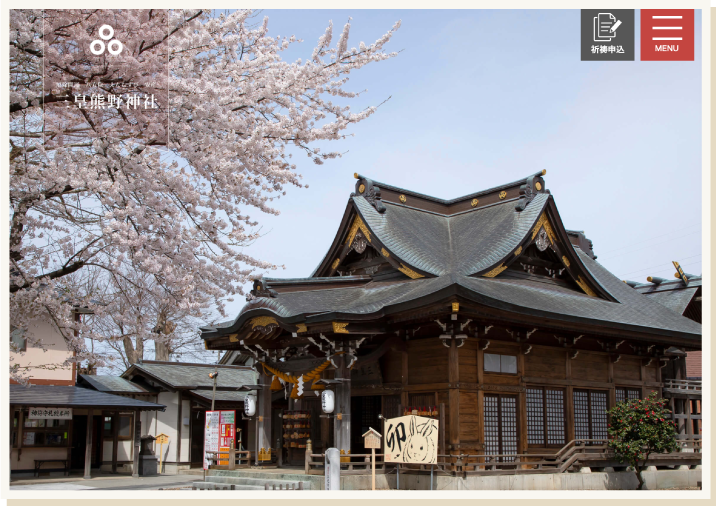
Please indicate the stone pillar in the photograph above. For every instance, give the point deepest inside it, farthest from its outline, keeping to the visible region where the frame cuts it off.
(342, 427)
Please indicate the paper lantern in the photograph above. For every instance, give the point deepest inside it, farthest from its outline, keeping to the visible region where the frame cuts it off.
(328, 401)
(249, 405)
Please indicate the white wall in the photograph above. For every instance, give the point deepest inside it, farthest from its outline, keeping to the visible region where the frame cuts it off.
(28, 456)
(185, 430)
(166, 424)
(56, 353)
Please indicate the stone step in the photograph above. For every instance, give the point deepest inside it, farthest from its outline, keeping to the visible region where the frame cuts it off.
(202, 485)
(258, 481)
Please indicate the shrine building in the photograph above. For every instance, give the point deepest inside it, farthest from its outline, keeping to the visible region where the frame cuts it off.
(482, 311)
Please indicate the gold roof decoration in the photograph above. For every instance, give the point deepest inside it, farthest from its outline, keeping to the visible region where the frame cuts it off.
(262, 321)
(494, 272)
(340, 328)
(543, 221)
(583, 285)
(355, 227)
(409, 272)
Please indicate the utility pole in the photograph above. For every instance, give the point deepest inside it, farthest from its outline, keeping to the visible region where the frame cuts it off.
(213, 376)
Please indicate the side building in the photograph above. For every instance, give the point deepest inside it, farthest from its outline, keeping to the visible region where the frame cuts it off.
(57, 425)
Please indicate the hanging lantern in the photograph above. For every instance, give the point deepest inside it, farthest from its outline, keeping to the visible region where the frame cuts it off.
(275, 384)
(328, 401)
(249, 405)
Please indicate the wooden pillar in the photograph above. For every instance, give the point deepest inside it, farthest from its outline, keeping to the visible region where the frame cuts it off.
(569, 398)
(115, 439)
(612, 400)
(658, 378)
(342, 428)
(404, 400)
(88, 447)
(689, 422)
(263, 412)
(136, 442)
(522, 406)
(480, 395)
(454, 397)
(20, 430)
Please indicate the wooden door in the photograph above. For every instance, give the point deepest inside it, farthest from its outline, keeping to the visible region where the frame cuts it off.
(197, 438)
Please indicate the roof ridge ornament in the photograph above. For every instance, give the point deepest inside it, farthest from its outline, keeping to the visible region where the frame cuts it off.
(260, 290)
(366, 189)
(529, 190)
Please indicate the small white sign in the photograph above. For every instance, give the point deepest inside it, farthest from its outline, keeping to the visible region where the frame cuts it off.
(53, 413)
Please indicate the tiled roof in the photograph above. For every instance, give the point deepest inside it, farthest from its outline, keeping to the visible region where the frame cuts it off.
(221, 395)
(77, 397)
(114, 384)
(453, 249)
(633, 309)
(673, 294)
(189, 376)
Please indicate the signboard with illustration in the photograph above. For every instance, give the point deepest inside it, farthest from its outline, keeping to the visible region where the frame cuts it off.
(411, 439)
(219, 432)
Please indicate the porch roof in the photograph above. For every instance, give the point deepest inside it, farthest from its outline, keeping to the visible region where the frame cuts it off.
(75, 397)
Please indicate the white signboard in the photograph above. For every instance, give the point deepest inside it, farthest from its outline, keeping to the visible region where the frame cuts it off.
(219, 432)
(53, 413)
(411, 439)
(211, 435)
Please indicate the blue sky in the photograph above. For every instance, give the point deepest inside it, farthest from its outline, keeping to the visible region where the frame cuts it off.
(484, 97)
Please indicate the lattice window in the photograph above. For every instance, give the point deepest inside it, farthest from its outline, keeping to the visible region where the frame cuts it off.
(631, 394)
(590, 414)
(391, 403)
(598, 407)
(581, 415)
(509, 426)
(555, 417)
(501, 435)
(545, 416)
(422, 400)
(535, 416)
(492, 425)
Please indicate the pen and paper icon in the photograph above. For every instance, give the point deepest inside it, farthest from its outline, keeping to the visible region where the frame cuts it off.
(605, 26)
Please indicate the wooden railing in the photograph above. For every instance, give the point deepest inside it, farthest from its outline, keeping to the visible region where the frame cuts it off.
(575, 454)
(354, 463)
(235, 459)
(685, 385)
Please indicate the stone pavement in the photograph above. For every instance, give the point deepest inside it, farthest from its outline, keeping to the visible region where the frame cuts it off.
(111, 482)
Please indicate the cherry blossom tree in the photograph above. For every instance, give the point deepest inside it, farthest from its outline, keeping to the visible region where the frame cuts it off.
(145, 160)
